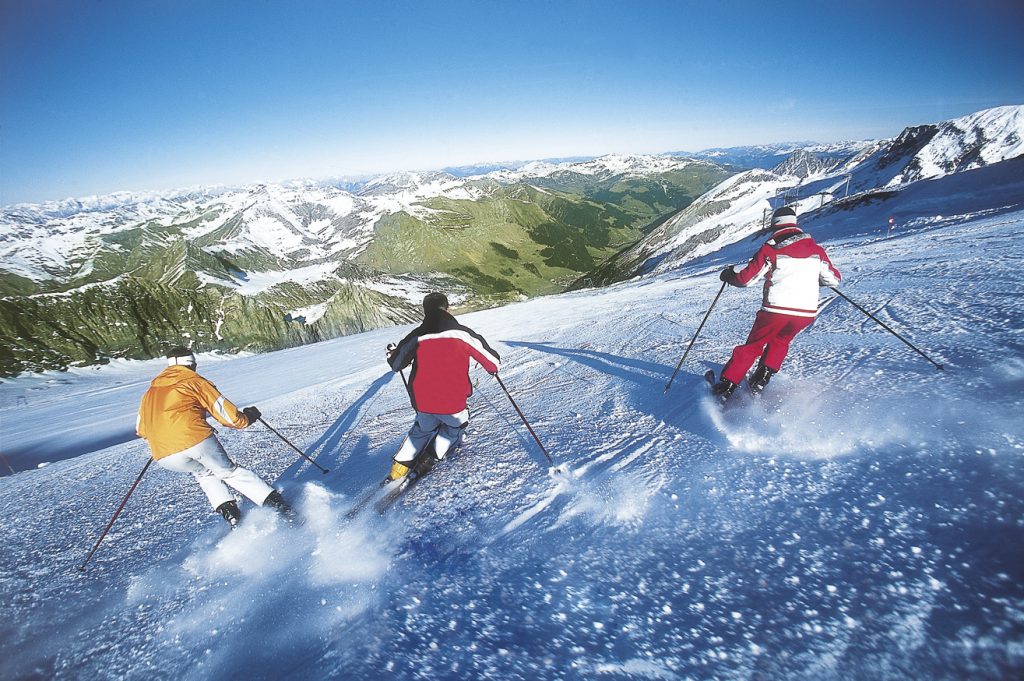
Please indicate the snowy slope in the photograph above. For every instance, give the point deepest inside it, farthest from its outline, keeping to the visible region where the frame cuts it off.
(740, 205)
(865, 520)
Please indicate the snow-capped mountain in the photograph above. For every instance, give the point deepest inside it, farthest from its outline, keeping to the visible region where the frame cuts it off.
(411, 184)
(110, 203)
(805, 164)
(930, 151)
(282, 264)
(280, 222)
(813, 184)
(293, 255)
(286, 221)
(861, 519)
(767, 156)
(604, 167)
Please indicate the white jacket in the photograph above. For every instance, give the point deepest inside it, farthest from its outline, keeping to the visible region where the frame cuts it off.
(793, 265)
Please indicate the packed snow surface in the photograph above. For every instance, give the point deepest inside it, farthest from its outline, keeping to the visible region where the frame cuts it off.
(863, 520)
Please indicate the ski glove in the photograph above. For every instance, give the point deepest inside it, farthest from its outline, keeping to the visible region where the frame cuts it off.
(390, 351)
(253, 414)
(728, 275)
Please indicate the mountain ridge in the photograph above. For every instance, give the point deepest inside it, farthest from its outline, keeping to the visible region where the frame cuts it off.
(310, 256)
(739, 206)
(486, 240)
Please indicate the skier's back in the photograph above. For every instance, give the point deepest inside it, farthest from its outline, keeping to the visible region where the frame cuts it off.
(172, 419)
(793, 266)
(439, 350)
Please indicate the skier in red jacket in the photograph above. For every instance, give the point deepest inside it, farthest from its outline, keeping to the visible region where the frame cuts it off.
(439, 350)
(794, 266)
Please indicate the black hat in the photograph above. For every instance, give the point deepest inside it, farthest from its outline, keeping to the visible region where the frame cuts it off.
(180, 355)
(783, 217)
(435, 301)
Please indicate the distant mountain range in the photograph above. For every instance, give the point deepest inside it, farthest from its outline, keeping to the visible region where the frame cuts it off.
(816, 180)
(270, 266)
(767, 156)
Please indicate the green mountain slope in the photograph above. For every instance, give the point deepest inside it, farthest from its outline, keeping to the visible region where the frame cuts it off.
(527, 239)
(205, 276)
(139, 318)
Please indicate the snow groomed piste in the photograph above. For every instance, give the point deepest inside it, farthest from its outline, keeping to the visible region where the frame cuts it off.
(862, 520)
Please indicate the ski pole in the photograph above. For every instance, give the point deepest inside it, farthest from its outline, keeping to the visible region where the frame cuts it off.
(81, 568)
(884, 326)
(692, 340)
(520, 412)
(7, 463)
(408, 389)
(288, 442)
(391, 348)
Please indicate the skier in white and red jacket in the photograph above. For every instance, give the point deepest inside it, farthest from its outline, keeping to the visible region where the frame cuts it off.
(439, 350)
(794, 266)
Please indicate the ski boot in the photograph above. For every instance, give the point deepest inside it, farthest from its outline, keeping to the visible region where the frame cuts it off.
(723, 390)
(398, 470)
(759, 379)
(275, 501)
(424, 463)
(230, 512)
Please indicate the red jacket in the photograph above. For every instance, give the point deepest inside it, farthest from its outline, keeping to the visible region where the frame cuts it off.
(793, 265)
(439, 350)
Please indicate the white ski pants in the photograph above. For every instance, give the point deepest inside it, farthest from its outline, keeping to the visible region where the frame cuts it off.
(210, 465)
(446, 429)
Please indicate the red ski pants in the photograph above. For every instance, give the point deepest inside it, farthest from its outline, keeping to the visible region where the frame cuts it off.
(771, 329)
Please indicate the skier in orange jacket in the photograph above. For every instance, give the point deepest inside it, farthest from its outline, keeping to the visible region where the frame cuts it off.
(172, 419)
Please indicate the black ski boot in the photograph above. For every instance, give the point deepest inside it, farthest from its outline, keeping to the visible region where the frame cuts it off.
(723, 390)
(229, 510)
(760, 378)
(275, 501)
(424, 463)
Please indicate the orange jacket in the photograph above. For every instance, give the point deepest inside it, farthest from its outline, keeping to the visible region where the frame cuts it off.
(172, 416)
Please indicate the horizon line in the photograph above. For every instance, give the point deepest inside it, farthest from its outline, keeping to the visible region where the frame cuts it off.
(360, 176)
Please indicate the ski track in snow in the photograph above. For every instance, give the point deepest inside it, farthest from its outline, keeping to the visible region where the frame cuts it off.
(863, 519)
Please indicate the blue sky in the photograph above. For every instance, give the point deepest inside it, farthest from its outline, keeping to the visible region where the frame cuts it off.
(105, 95)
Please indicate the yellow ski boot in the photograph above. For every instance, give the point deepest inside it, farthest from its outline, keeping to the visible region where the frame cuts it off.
(397, 471)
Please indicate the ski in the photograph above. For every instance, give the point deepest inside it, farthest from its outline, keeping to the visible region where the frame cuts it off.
(388, 491)
(365, 500)
(422, 465)
(390, 497)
